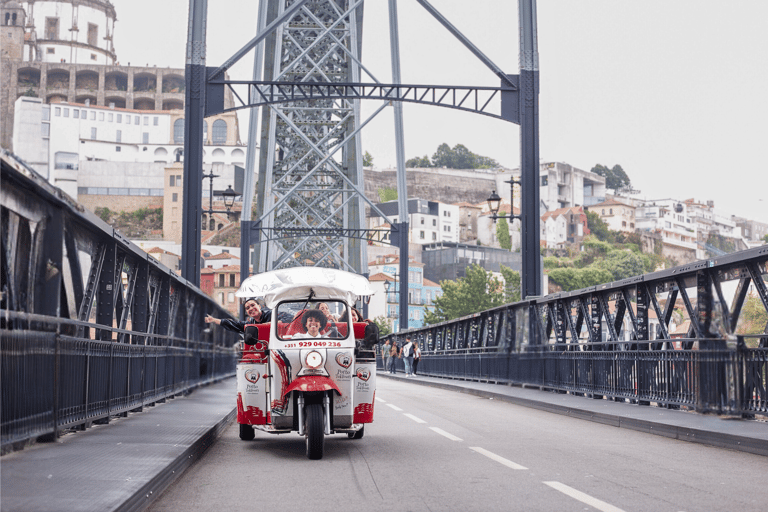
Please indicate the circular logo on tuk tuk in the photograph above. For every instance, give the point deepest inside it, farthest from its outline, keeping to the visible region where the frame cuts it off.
(363, 374)
(251, 376)
(344, 359)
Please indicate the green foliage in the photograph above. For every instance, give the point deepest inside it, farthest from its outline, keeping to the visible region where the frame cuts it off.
(765, 239)
(577, 278)
(723, 243)
(475, 292)
(622, 264)
(513, 285)
(599, 228)
(417, 162)
(387, 194)
(458, 157)
(615, 177)
(502, 232)
(753, 317)
(367, 159)
(30, 93)
(104, 213)
(383, 325)
(551, 262)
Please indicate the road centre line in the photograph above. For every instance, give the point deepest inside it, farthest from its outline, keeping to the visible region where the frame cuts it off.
(445, 434)
(380, 400)
(395, 407)
(497, 458)
(414, 418)
(584, 498)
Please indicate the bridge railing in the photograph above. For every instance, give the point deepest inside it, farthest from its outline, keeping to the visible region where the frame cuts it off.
(91, 327)
(694, 336)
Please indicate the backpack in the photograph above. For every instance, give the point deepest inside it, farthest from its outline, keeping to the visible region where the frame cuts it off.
(408, 350)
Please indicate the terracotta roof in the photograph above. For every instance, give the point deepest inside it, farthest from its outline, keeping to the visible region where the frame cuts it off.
(427, 282)
(379, 276)
(563, 211)
(223, 256)
(610, 202)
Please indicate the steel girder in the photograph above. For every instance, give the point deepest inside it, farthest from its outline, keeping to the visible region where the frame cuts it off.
(310, 168)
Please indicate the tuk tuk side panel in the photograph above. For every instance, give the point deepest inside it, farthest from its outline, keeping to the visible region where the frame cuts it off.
(252, 394)
(340, 367)
(364, 391)
(284, 366)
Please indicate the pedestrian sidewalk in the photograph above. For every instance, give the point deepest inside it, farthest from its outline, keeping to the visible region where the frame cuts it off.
(744, 435)
(121, 466)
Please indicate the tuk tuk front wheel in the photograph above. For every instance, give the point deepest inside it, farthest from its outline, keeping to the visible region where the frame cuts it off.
(315, 431)
(246, 432)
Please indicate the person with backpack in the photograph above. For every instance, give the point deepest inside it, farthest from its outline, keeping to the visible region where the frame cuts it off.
(407, 355)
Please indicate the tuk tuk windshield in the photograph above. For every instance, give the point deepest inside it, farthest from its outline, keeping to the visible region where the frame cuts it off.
(312, 319)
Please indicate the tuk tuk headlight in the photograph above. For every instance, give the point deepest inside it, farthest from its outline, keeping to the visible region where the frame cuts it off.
(313, 360)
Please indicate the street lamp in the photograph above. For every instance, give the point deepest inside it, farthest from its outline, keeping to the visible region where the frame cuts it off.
(494, 201)
(229, 196)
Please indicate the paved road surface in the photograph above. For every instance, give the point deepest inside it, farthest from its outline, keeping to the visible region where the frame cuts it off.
(433, 450)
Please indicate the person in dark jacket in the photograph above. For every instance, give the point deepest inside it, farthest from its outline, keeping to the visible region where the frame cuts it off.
(256, 315)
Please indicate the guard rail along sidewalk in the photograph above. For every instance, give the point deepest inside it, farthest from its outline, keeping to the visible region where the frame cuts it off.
(91, 327)
(693, 337)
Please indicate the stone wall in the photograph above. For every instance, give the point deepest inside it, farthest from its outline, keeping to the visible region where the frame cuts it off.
(119, 203)
(443, 185)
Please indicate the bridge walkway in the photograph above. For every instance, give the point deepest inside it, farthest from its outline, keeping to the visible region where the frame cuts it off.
(125, 465)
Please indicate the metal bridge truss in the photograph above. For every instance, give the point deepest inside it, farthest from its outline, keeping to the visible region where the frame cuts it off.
(497, 102)
(310, 175)
(91, 326)
(617, 340)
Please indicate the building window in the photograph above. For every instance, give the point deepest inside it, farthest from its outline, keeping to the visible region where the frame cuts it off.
(434, 222)
(66, 112)
(421, 235)
(93, 56)
(119, 136)
(145, 138)
(219, 132)
(178, 180)
(221, 280)
(57, 112)
(50, 50)
(118, 149)
(93, 133)
(75, 113)
(172, 181)
(178, 131)
(175, 199)
(231, 297)
(45, 130)
(146, 120)
(119, 118)
(231, 280)
(156, 120)
(136, 120)
(434, 236)
(93, 115)
(127, 119)
(422, 220)
(51, 28)
(110, 116)
(93, 34)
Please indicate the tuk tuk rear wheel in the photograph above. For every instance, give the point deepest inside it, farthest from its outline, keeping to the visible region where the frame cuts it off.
(315, 431)
(246, 432)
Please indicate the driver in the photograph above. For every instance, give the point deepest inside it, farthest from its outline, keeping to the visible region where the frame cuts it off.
(314, 322)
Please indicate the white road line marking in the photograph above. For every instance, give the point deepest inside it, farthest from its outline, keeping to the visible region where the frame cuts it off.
(414, 418)
(497, 458)
(394, 407)
(380, 400)
(584, 498)
(446, 434)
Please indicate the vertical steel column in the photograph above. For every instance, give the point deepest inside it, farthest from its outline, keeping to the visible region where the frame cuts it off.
(402, 187)
(194, 103)
(529, 148)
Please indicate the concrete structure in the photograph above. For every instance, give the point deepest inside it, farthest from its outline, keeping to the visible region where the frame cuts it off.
(617, 215)
(563, 226)
(449, 261)
(421, 291)
(751, 230)
(60, 141)
(563, 186)
(487, 227)
(429, 221)
(669, 218)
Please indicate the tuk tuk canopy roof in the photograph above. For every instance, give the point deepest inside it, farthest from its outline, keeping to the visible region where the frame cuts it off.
(299, 282)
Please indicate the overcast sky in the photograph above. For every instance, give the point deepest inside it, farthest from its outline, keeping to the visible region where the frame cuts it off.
(674, 91)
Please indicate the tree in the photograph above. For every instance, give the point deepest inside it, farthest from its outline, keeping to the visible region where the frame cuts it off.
(615, 177)
(417, 162)
(512, 285)
(387, 194)
(502, 232)
(475, 292)
(577, 278)
(765, 239)
(383, 325)
(367, 159)
(460, 158)
(599, 228)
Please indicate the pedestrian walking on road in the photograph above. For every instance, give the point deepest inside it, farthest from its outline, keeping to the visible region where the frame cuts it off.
(385, 354)
(407, 355)
(394, 353)
(416, 357)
